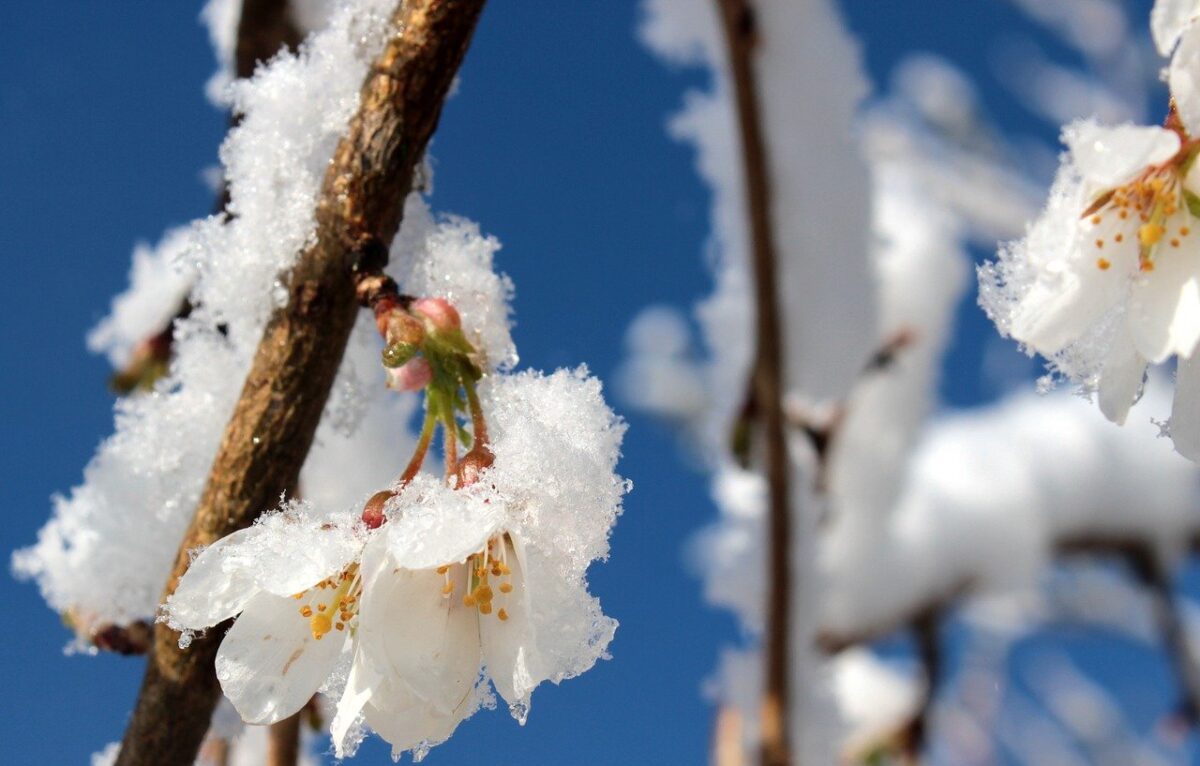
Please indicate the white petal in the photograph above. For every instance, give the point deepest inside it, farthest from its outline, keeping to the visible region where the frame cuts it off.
(360, 684)
(1182, 78)
(1064, 304)
(1122, 377)
(1185, 413)
(1168, 19)
(416, 635)
(210, 591)
(1164, 306)
(405, 720)
(1111, 156)
(269, 664)
(509, 646)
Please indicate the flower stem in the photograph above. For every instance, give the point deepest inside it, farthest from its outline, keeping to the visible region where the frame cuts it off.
(478, 422)
(418, 457)
(450, 441)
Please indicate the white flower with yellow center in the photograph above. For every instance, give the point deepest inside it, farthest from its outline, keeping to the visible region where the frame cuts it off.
(445, 594)
(296, 583)
(1107, 280)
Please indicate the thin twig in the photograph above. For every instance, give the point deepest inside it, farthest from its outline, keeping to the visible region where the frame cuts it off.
(926, 628)
(283, 742)
(276, 416)
(741, 36)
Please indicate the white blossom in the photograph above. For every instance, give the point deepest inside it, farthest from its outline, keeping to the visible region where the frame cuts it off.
(1107, 280)
(492, 575)
(294, 580)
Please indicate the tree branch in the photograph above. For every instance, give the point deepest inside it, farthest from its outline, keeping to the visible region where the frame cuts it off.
(283, 742)
(925, 627)
(741, 36)
(273, 423)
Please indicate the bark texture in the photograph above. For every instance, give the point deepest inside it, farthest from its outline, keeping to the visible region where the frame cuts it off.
(741, 36)
(272, 427)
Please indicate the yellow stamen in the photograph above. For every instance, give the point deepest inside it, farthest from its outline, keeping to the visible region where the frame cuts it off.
(1150, 233)
(321, 625)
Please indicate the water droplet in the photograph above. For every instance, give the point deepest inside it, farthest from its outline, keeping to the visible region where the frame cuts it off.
(520, 710)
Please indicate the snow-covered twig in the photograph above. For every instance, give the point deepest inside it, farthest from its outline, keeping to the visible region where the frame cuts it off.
(276, 416)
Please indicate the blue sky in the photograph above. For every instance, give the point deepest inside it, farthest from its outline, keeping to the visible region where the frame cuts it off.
(555, 144)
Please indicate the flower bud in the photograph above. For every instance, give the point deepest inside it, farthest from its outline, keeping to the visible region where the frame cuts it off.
(403, 327)
(413, 375)
(397, 354)
(473, 464)
(440, 313)
(373, 515)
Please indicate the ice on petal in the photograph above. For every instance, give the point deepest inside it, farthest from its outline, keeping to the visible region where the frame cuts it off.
(294, 551)
(211, 591)
(1111, 156)
(433, 524)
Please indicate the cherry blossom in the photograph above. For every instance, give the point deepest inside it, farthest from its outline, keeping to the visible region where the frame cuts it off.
(1107, 280)
(294, 579)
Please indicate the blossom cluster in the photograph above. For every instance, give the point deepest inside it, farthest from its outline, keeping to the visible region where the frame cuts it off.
(327, 598)
(1107, 280)
(439, 585)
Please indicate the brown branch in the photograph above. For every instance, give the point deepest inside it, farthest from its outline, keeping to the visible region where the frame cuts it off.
(925, 627)
(741, 36)
(264, 28)
(275, 418)
(283, 742)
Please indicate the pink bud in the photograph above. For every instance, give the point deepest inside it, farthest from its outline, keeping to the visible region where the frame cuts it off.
(413, 375)
(440, 313)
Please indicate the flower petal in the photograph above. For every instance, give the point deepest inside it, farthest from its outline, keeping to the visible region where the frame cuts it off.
(360, 685)
(1164, 306)
(269, 664)
(211, 591)
(509, 646)
(1111, 156)
(417, 635)
(405, 720)
(1168, 20)
(1182, 76)
(1065, 302)
(1122, 377)
(1185, 412)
